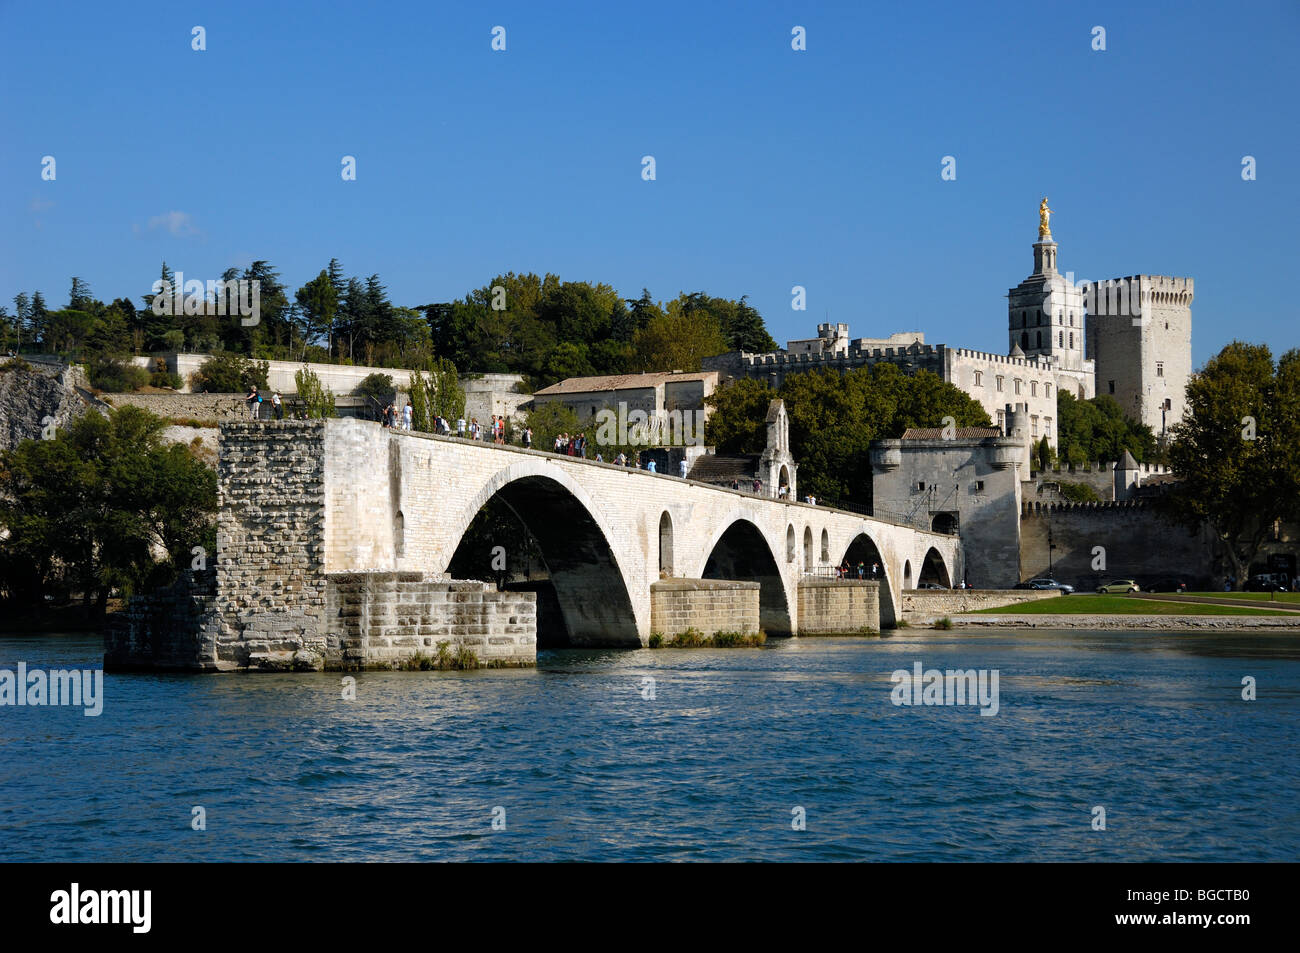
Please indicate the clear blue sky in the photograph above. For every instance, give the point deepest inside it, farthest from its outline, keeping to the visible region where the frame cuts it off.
(775, 168)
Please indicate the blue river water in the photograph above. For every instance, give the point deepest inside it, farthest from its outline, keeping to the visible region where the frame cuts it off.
(575, 761)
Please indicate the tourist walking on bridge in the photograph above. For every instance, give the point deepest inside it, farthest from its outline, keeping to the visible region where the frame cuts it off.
(254, 401)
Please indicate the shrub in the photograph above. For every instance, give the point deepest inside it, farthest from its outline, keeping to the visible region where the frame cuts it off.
(1079, 492)
(377, 387)
(656, 639)
(945, 623)
(165, 379)
(226, 373)
(115, 375)
(313, 398)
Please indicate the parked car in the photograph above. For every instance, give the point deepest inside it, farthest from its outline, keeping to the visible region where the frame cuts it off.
(1265, 584)
(929, 585)
(1168, 585)
(1046, 583)
(1119, 585)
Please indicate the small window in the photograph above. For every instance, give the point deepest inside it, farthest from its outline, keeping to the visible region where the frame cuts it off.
(1033, 388)
(1000, 413)
(1017, 385)
(921, 486)
(1033, 425)
(999, 383)
(1047, 390)
(979, 486)
(1071, 340)
(979, 378)
(1111, 384)
(1040, 340)
(1160, 368)
(1047, 426)
(1169, 403)
(1060, 339)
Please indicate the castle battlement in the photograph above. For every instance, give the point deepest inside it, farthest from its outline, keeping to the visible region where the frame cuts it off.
(851, 356)
(1033, 508)
(1005, 359)
(1101, 466)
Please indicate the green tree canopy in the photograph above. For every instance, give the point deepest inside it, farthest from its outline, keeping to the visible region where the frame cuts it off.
(833, 419)
(1097, 429)
(88, 511)
(1237, 449)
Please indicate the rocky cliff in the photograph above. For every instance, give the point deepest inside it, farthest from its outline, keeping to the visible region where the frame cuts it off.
(32, 391)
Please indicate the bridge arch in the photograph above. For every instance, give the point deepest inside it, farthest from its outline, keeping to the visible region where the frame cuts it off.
(863, 549)
(934, 569)
(740, 551)
(587, 574)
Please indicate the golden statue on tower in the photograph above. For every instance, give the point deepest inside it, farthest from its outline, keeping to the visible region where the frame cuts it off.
(1044, 217)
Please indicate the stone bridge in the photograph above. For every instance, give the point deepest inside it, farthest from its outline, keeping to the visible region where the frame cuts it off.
(402, 501)
(341, 524)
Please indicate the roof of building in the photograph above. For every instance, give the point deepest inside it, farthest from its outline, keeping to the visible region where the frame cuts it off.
(1127, 462)
(961, 433)
(722, 468)
(774, 410)
(586, 385)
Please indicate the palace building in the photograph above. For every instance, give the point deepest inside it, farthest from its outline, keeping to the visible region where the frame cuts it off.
(1128, 337)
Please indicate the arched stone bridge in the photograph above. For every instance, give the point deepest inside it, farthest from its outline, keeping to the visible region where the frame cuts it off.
(343, 496)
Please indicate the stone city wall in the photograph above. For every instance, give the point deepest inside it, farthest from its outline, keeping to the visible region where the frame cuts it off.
(205, 408)
(926, 605)
(1138, 544)
(708, 605)
(839, 606)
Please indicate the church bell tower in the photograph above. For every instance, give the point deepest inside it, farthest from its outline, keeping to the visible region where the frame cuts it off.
(1045, 311)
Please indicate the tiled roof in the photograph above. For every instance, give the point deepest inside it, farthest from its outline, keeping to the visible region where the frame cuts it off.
(721, 469)
(583, 385)
(961, 433)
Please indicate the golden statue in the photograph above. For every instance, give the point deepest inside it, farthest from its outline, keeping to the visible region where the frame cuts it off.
(1044, 215)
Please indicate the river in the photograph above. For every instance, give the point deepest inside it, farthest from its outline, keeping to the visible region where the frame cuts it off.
(736, 748)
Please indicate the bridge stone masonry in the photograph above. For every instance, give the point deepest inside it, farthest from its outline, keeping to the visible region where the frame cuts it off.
(335, 538)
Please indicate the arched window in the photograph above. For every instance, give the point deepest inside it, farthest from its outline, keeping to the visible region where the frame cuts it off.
(907, 574)
(1071, 339)
(665, 544)
(1060, 339)
(399, 535)
(826, 548)
(789, 543)
(807, 549)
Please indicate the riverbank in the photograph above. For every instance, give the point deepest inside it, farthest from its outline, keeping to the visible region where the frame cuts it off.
(1218, 623)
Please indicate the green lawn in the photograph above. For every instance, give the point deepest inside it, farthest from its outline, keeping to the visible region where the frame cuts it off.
(1080, 604)
(1289, 597)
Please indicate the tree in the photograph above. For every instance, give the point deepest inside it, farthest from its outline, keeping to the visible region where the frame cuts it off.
(550, 420)
(738, 422)
(678, 342)
(80, 298)
(87, 511)
(318, 301)
(314, 400)
(834, 417)
(1236, 450)
(1098, 429)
